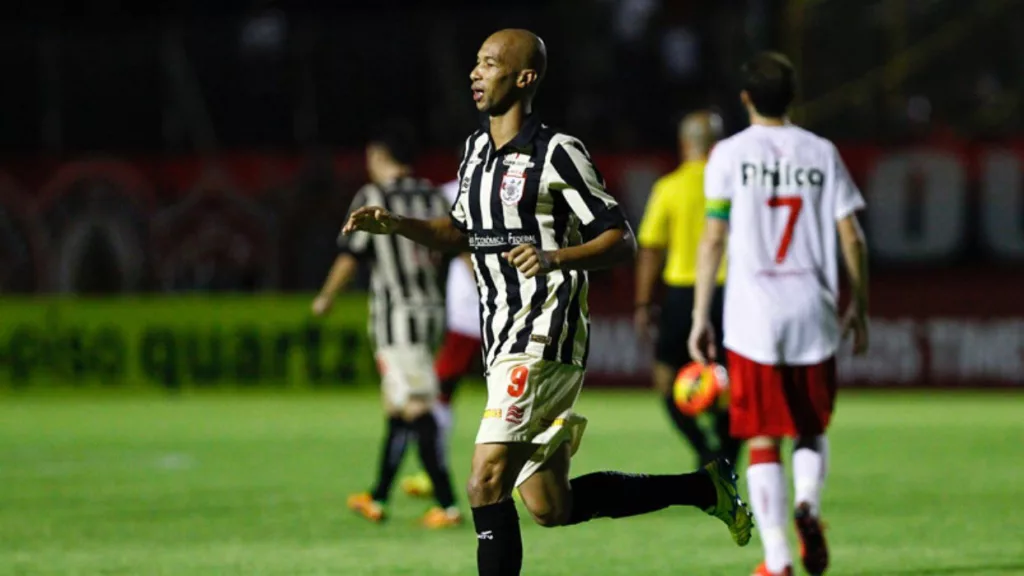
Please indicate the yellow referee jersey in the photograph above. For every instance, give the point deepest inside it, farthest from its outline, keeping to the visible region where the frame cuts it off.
(674, 220)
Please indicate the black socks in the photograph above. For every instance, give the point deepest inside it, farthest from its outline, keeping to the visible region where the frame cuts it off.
(499, 550)
(432, 456)
(620, 495)
(391, 457)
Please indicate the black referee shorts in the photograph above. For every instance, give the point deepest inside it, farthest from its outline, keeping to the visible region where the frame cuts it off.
(675, 323)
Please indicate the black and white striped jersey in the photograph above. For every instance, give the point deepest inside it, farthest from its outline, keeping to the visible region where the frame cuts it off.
(542, 188)
(407, 280)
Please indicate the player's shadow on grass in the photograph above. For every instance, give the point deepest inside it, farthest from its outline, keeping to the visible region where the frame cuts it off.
(1014, 568)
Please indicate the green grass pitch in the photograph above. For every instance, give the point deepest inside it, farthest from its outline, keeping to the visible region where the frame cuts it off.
(255, 484)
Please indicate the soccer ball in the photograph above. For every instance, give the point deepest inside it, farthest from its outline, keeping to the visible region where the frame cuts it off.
(697, 387)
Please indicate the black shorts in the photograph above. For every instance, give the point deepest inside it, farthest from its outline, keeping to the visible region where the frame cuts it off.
(675, 323)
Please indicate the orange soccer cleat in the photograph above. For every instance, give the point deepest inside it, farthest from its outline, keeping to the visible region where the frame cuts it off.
(813, 549)
(762, 570)
(364, 505)
(437, 518)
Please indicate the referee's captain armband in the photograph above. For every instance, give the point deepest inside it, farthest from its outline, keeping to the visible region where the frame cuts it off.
(717, 208)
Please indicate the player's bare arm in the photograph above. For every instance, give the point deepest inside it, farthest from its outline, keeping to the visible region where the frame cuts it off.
(610, 248)
(650, 261)
(342, 272)
(709, 258)
(437, 234)
(855, 257)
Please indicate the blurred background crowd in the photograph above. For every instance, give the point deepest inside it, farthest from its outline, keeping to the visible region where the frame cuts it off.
(214, 146)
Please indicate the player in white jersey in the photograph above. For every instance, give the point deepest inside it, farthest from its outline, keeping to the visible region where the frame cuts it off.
(461, 348)
(777, 195)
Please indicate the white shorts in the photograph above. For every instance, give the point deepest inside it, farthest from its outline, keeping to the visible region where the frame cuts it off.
(407, 372)
(531, 400)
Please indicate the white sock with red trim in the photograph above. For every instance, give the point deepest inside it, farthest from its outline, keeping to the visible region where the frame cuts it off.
(768, 498)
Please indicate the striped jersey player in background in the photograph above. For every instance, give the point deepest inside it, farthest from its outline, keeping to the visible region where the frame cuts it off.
(778, 196)
(406, 320)
(534, 211)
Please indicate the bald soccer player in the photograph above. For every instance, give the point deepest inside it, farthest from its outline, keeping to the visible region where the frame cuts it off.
(669, 238)
(533, 211)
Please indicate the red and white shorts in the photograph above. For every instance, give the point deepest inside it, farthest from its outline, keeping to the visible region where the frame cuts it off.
(780, 401)
(455, 359)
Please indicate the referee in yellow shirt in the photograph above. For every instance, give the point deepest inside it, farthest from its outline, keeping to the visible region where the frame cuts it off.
(668, 238)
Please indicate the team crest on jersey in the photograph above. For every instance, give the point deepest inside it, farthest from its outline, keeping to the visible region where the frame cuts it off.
(512, 187)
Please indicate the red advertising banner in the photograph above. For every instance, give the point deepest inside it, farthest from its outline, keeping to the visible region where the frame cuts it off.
(945, 226)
